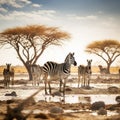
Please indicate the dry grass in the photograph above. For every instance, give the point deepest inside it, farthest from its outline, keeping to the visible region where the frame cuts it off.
(95, 69)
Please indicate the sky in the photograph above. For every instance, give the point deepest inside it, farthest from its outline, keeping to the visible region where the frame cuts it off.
(85, 20)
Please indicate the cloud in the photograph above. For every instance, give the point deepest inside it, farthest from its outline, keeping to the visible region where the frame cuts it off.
(77, 17)
(36, 5)
(33, 16)
(3, 9)
(15, 3)
(26, 1)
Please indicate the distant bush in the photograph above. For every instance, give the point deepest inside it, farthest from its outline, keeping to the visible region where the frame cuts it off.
(97, 105)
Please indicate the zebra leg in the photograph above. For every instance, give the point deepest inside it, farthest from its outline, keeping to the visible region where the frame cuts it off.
(8, 81)
(84, 80)
(45, 87)
(12, 80)
(78, 80)
(45, 82)
(89, 81)
(60, 85)
(49, 87)
(64, 85)
(81, 80)
(5, 82)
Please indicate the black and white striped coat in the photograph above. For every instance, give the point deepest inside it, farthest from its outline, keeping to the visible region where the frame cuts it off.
(55, 71)
(36, 71)
(84, 73)
(7, 74)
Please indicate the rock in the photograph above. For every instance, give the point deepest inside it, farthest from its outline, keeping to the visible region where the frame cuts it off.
(113, 90)
(42, 116)
(117, 99)
(56, 110)
(102, 111)
(10, 101)
(56, 93)
(13, 93)
(97, 105)
(68, 89)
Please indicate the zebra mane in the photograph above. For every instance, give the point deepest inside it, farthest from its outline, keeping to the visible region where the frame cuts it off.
(68, 56)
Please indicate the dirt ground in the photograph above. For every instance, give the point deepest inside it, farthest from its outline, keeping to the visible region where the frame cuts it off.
(74, 111)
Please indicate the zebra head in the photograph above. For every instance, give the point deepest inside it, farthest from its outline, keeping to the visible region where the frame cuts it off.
(70, 59)
(89, 63)
(89, 66)
(8, 66)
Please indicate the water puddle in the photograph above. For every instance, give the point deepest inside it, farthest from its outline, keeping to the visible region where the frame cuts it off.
(108, 99)
(109, 113)
(70, 98)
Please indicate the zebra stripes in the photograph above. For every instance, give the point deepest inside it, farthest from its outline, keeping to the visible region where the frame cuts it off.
(36, 71)
(84, 73)
(55, 71)
(7, 73)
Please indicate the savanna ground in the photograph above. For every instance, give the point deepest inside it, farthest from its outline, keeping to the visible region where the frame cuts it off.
(66, 111)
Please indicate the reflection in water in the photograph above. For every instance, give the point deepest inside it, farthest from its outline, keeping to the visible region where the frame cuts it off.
(108, 99)
(109, 113)
(72, 98)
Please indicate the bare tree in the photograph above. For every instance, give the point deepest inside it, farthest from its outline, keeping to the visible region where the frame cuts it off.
(31, 41)
(108, 50)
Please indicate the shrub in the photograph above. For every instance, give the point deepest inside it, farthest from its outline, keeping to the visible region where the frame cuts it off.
(97, 105)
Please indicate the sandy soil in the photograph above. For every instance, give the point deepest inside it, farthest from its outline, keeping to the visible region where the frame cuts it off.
(76, 111)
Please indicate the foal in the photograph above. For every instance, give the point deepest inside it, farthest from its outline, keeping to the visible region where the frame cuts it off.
(84, 72)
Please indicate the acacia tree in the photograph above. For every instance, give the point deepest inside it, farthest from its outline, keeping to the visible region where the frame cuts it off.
(30, 41)
(108, 50)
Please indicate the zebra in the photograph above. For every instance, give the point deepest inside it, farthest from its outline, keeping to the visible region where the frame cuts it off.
(7, 73)
(102, 70)
(84, 72)
(55, 71)
(36, 71)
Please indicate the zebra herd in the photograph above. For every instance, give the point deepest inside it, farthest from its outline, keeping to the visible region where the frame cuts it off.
(53, 71)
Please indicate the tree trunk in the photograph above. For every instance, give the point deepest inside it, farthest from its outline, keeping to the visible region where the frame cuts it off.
(108, 68)
(29, 71)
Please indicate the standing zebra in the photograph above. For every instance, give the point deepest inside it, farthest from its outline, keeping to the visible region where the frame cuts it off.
(7, 73)
(54, 71)
(36, 71)
(84, 72)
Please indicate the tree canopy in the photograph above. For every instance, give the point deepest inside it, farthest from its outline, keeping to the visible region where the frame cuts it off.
(108, 50)
(31, 41)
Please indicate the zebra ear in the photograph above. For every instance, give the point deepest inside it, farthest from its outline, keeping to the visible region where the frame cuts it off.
(73, 53)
